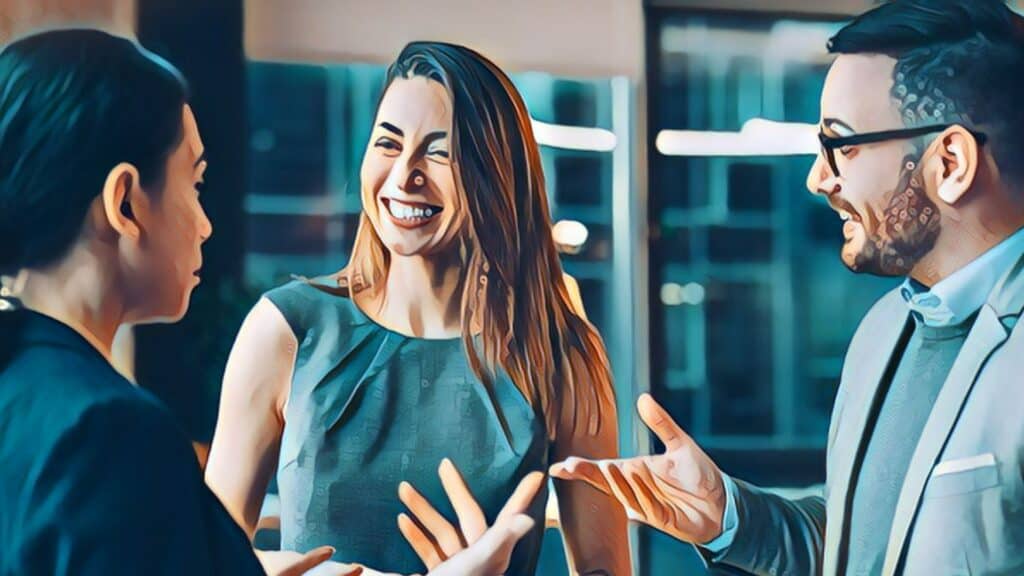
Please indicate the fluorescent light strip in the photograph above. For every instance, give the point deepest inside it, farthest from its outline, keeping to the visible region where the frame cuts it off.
(788, 41)
(759, 137)
(573, 137)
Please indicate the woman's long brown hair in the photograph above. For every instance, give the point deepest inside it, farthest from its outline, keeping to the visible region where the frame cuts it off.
(514, 292)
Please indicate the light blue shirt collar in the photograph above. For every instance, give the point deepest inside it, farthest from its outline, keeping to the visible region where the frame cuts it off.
(956, 297)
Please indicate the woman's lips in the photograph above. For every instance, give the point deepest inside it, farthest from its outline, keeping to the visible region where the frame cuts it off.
(410, 214)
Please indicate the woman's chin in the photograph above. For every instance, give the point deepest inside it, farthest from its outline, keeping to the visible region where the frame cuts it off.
(408, 245)
(167, 313)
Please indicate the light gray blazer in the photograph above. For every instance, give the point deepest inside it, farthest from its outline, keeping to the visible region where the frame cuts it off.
(961, 508)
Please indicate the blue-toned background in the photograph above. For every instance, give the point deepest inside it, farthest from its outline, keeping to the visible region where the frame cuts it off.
(715, 280)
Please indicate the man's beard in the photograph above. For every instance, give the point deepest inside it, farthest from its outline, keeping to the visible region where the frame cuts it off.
(907, 229)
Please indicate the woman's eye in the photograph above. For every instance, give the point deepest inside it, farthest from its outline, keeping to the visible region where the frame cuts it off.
(438, 153)
(846, 150)
(388, 144)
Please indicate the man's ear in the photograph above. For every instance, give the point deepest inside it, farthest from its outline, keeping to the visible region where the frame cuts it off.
(959, 153)
(119, 191)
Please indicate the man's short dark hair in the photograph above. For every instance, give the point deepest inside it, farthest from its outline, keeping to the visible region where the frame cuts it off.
(958, 61)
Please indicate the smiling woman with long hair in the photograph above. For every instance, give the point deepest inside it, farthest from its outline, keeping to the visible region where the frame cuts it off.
(451, 333)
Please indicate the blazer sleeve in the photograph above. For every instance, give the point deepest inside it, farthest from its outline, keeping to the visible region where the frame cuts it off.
(121, 493)
(774, 535)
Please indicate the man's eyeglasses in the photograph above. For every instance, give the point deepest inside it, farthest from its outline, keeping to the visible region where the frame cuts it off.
(829, 143)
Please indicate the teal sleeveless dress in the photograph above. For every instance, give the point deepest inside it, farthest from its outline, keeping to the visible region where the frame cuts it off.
(369, 408)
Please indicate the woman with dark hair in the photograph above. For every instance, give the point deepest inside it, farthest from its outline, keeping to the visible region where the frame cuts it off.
(452, 332)
(100, 225)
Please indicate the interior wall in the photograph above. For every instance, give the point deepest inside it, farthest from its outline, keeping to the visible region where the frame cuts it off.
(19, 17)
(564, 37)
(816, 7)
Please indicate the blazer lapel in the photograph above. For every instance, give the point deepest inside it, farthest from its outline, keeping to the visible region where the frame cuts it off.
(991, 329)
(863, 376)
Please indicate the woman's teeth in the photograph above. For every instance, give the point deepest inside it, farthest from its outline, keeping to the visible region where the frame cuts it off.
(404, 211)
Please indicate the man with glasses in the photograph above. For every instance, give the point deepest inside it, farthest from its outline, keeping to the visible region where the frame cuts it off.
(922, 157)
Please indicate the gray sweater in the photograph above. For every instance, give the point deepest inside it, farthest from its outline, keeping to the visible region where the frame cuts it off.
(908, 400)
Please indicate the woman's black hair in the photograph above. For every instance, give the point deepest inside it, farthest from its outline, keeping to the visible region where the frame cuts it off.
(73, 105)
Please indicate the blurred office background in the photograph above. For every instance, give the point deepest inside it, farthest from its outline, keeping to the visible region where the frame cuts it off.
(676, 136)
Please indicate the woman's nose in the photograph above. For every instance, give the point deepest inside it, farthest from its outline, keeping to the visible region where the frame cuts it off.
(415, 181)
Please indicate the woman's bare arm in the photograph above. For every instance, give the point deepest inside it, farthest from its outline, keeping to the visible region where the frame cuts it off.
(594, 524)
(251, 419)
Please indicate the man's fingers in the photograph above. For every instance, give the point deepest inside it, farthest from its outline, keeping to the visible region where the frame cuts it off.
(581, 469)
(620, 486)
(424, 547)
(640, 479)
(659, 421)
(521, 498)
(472, 521)
(435, 524)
